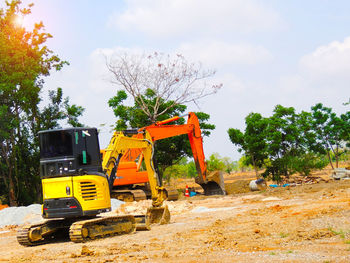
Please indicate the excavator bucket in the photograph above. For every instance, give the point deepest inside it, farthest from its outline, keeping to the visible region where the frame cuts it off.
(154, 215)
(158, 215)
(215, 184)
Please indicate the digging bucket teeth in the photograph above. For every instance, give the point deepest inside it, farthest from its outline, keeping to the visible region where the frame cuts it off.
(158, 215)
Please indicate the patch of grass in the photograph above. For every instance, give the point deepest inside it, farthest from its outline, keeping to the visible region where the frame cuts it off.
(347, 241)
(283, 235)
(273, 254)
(341, 233)
(290, 251)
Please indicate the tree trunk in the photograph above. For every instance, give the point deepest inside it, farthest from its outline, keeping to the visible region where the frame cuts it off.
(12, 196)
(329, 158)
(337, 156)
(255, 168)
(39, 193)
(12, 164)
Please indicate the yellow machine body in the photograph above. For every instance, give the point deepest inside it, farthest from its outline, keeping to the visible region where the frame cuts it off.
(73, 196)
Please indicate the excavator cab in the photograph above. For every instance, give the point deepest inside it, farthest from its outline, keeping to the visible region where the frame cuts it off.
(68, 151)
(72, 179)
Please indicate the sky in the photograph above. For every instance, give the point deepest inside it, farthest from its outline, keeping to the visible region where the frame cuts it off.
(292, 52)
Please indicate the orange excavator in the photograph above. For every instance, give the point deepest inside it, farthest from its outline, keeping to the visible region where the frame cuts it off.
(131, 183)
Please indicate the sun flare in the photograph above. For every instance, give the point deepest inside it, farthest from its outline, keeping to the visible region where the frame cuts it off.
(18, 20)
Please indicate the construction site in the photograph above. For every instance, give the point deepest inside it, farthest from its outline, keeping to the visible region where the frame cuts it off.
(122, 213)
(111, 205)
(307, 221)
(185, 131)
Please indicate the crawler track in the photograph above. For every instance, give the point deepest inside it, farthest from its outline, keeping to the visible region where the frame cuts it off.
(41, 233)
(23, 236)
(83, 231)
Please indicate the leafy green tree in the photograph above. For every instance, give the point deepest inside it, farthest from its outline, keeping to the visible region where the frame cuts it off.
(331, 131)
(215, 163)
(179, 170)
(57, 110)
(252, 141)
(170, 150)
(244, 163)
(191, 169)
(307, 162)
(346, 128)
(229, 164)
(24, 61)
(284, 143)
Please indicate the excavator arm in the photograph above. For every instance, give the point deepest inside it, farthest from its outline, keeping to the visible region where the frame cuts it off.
(159, 131)
(118, 146)
(212, 183)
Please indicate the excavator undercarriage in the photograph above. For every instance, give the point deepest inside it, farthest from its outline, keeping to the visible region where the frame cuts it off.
(79, 230)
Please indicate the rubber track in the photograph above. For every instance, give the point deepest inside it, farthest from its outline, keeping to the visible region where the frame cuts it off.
(23, 236)
(172, 194)
(138, 195)
(75, 231)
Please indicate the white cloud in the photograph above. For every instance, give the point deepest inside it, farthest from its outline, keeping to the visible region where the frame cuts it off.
(166, 18)
(222, 54)
(322, 76)
(328, 61)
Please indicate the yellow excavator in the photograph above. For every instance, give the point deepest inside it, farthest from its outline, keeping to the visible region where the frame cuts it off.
(76, 187)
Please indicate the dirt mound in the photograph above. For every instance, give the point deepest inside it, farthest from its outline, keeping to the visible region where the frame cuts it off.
(237, 187)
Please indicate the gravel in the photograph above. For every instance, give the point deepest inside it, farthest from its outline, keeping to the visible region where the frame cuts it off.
(115, 203)
(31, 214)
(20, 215)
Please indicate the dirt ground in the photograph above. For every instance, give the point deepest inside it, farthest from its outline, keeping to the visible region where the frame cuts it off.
(307, 223)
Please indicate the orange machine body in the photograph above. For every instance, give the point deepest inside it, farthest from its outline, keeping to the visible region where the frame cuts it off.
(128, 173)
(131, 173)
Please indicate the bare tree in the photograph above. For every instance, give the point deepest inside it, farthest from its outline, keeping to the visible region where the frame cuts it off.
(171, 78)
